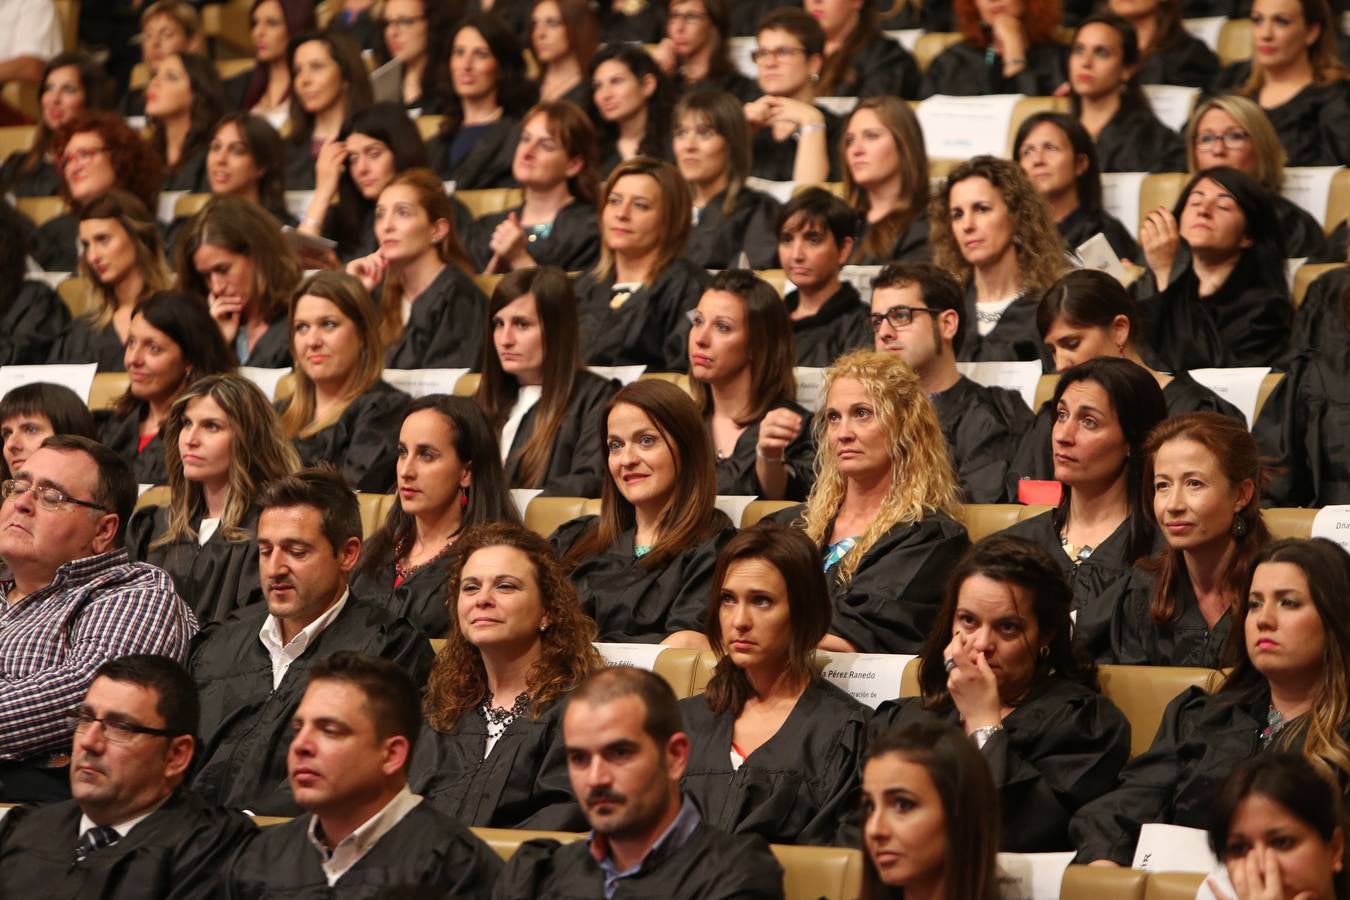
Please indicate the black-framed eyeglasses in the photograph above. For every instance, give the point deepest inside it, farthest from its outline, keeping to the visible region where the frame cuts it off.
(1232, 139)
(782, 54)
(898, 316)
(52, 499)
(400, 22)
(115, 728)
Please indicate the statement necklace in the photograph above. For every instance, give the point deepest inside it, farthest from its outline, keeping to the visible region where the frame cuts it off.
(499, 718)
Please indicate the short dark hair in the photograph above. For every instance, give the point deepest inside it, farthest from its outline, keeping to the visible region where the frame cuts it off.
(662, 720)
(391, 694)
(938, 289)
(175, 691)
(62, 407)
(116, 489)
(798, 23)
(323, 488)
(1089, 183)
(817, 206)
(186, 318)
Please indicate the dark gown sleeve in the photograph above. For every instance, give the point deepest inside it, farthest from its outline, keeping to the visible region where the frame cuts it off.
(445, 329)
(488, 162)
(883, 68)
(80, 342)
(215, 579)
(1314, 126)
(362, 441)
(577, 466)
(1032, 457)
(299, 164)
(1185, 60)
(571, 245)
(983, 427)
(736, 474)
(650, 328)
(1015, 337)
(422, 598)
(1303, 236)
(55, 246)
(273, 349)
(1304, 431)
(961, 70)
(720, 238)
(1136, 141)
(479, 235)
(1319, 327)
(33, 321)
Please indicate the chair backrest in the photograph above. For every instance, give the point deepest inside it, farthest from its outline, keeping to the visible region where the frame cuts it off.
(1028, 107)
(467, 385)
(545, 514)
(107, 387)
(1143, 692)
(775, 277)
(156, 496)
(489, 200)
(758, 509)
(1306, 275)
(984, 519)
(374, 509)
(188, 205)
(1263, 393)
(75, 293)
(679, 379)
(1045, 389)
(429, 126)
(40, 209)
(1235, 41)
(930, 45)
(1160, 189)
(1173, 885)
(504, 841)
(1098, 883)
(1289, 522)
(16, 139)
(810, 873)
(68, 11)
(679, 668)
(1338, 200)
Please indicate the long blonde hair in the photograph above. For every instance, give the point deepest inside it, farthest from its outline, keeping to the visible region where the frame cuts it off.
(922, 477)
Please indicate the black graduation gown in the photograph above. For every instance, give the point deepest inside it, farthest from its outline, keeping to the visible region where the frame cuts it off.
(299, 163)
(41, 181)
(425, 848)
(632, 603)
(1136, 640)
(650, 328)
(881, 68)
(215, 578)
(179, 851)
(982, 427)
(890, 604)
(736, 473)
(1337, 245)
(1304, 433)
(1303, 236)
(841, 325)
(1135, 140)
(1185, 60)
(122, 435)
(56, 245)
(273, 349)
(32, 321)
(1201, 739)
(774, 160)
(913, 244)
(1319, 328)
(1313, 125)
(719, 238)
(733, 82)
(799, 787)
(246, 725)
(571, 245)
(577, 465)
(645, 26)
(190, 175)
(422, 598)
(711, 865)
(745, 16)
(1245, 323)
(522, 783)
(1060, 748)
(445, 329)
(80, 342)
(1014, 337)
(1080, 225)
(487, 164)
(964, 70)
(362, 442)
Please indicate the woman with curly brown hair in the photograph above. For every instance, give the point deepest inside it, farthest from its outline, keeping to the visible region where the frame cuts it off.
(519, 642)
(1009, 48)
(996, 234)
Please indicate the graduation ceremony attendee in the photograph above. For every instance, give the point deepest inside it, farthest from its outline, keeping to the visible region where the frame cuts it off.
(33, 412)
(374, 145)
(222, 443)
(626, 23)
(1203, 476)
(817, 232)
(1231, 130)
(232, 253)
(647, 835)
(518, 644)
(32, 315)
(929, 810)
(341, 410)
(630, 102)
(774, 747)
(886, 179)
(555, 223)
(363, 831)
(489, 93)
(918, 313)
(633, 305)
(795, 140)
(122, 261)
(251, 670)
(431, 312)
(1169, 54)
(359, 21)
(543, 405)
(1110, 104)
(328, 83)
(95, 152)
(1279, 830)
(265, 90)
(73, 601)
(740, 368)
(167, 27)
(1059, 157)
(733, 223)
(1296, 74)
(883, 508)
(131, 830)
(644, 565)
(1228, 303)
(997, 235)
(1005, 50)
(413, 33)
(449, 479)
(1000, 662)
(71, 83)
(171, 342)
(183, 101)
(696, 51)
(1286, 692)
(247, 158)
(860, 61)
(564, 37)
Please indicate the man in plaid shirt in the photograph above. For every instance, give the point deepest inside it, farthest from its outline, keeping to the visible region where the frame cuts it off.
(72, 600)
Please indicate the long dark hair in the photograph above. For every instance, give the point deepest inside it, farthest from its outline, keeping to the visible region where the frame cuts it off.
(268, 150)
(208, 103)
(389, 124)
(660, 105)
(347, 57)
(1087, 298)
(839, 70)
(1258, 208)
(187, 321)
(299, 16)
(98, 91)
(1140, 406)
(515, 92)
(1133, 97)
(1088, 184)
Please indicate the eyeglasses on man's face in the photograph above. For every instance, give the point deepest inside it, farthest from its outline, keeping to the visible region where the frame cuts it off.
(898, 316)
(117, 729)
(52, 499)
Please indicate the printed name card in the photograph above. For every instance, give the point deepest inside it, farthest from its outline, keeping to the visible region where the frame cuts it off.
(861, 279)
(297, 203)
(639, 656)
(1020, 376)
(810, 382)
(52, 279)
(421, 382)
(1239, 386)
(739, 49)
(1309, 187)
(1333, 523)
(840, 106)
(1031, 876)
(1171, 103)
(905, 37)
(734, 505)
(522, 497)
(266, 379)
(79, 377)
(1206, 29)
(1096, 253)
(871, 678)
(1173, 848)
(1120, 197)
(622, 374)
(781, 191)
(142, 488)
(962, 127)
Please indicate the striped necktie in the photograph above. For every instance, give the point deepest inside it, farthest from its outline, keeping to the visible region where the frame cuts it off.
(95, 838)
